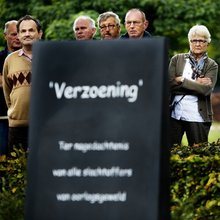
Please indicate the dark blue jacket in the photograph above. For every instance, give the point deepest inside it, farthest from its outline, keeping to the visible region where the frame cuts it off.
(3, 106)
(146, 34)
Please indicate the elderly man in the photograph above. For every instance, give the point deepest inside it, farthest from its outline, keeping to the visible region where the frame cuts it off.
(84, 28)
(109, 25)
(136, 24)
(12, 44)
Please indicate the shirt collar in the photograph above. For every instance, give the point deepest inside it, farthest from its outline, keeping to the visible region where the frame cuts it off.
(22, 53)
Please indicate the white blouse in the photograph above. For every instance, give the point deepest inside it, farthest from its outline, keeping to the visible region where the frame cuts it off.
(187, 108)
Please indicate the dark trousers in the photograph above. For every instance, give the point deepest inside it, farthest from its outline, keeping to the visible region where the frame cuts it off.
(3, 136)
(196, 132)
(18, 138)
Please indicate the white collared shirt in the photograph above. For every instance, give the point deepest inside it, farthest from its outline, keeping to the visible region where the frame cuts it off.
(187, 108)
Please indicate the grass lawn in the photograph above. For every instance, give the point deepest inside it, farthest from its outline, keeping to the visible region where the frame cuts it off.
(214, 134)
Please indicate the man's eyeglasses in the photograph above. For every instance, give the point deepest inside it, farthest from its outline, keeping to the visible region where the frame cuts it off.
(195, 41)
(135, 23)
(109, 26)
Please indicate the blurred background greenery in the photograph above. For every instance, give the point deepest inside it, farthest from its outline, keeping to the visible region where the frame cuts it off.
(168, 18)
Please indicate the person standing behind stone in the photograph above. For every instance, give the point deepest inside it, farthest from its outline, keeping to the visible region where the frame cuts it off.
(192, 78)
(12, 44)
(17, 81)
(136, 24)
(109, 25)
(84, 28)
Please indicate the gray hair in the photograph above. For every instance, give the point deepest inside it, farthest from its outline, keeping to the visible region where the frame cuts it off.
(8, 23)
(136, 10)
(104, 16)
(199, 30)
(84, 17)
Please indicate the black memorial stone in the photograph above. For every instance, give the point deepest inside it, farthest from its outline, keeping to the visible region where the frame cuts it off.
(98, 131)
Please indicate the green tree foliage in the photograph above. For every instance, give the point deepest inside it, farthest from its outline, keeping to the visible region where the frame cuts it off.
(10, 10)
(174, 19)
(169, 18)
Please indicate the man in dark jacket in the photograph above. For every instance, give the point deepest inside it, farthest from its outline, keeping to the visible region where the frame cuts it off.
(10, 34)
(136, 24)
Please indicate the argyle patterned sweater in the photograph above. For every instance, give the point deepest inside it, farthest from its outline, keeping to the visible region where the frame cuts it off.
(16, 87)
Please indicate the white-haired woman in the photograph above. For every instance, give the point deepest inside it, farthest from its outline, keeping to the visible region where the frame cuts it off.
(192, 77)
